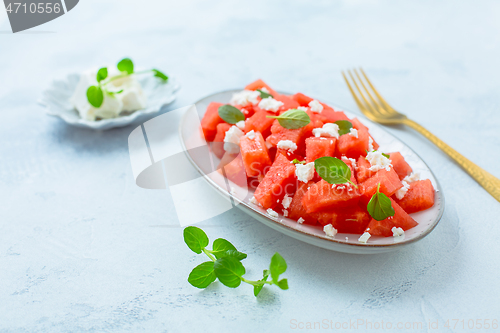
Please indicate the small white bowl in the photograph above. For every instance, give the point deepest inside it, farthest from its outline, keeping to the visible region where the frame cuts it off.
(56, 100)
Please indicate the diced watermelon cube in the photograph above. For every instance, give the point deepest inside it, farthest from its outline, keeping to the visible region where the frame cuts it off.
(259, 84)
(259, 122)
(401, 219)
(389, 184)
(302, 99)
(359, 125)
(401, 167)
(297, 209)
(278, 181)
(363, 172)
(210, 121)
(319, 147)
(288, 103)
(348, 220)
(255, 155)
(231, 166)
(218, 143)
(352, 146)
(420, 196)
(324, 196)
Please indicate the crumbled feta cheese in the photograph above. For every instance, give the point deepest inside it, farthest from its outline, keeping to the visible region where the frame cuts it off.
(304, 172)
(347, 239)
(250, 135)
(264, 89)
(364, 237)
(241, 125)
(378, 161)
(272, 213)
(353, 162)
(402, 191)
(413, 177)
(353, 132)
(303, 108)
(315, 106)
(285, 213)
(329, 230)
(270, 104)
(287, 144)
(328, 130)
(396, 232)
(300, 220)
(254, 201)
(245, 97)
(232, 140)
(370, 144)
(286, 201)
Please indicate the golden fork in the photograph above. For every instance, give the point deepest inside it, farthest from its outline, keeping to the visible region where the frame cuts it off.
(374, 106)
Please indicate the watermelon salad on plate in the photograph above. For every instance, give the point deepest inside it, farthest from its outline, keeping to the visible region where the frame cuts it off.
(318, 167)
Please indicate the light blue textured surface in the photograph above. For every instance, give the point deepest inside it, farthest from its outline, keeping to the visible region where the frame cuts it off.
(83, 249)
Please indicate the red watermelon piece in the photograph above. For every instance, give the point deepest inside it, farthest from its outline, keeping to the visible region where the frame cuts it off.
(255, 155)
(352, 220)
(324, 196)
(297, 209)
(210, 121)
(420, 196)
(259, 84)
(389, 184)
(363, 172)
(401, 219)
(218, 144)
(288, 103)
(279, 180)
(231, 166)
(352, 146)
(259, 122)
(401, 167)
(319, 147)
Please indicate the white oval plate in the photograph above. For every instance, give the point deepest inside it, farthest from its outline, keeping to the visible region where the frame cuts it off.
(56, 100)
(427, 219)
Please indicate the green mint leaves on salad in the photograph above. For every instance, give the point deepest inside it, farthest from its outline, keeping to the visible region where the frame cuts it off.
(296, 161)
(230, 114)
(380, 206)
(344, 126)
(333, 170)
(293, 119)
(225, 264)
(263, 94)
(95, 94)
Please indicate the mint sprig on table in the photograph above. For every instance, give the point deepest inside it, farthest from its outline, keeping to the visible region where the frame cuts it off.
(344, 126)
(293, 119)
(333, 170)
(380, 206)
(230, 114)
(226, 266)
(95, 94)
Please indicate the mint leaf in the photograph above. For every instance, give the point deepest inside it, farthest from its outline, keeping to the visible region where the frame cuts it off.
(258, 287)
(293, 119)
(230, 114)
(126, 65)
(202, 275)
(277, 267)
(386, 155)
(160, 75)
(229, 271)
(344, 126)
(95, 96)
(220, 247)
(102, 74)
(380, 206)
(115, 92)
(333, 170)
(196, 239)
(296, 161)
(263, 94)
(235, 254)
(283, 284)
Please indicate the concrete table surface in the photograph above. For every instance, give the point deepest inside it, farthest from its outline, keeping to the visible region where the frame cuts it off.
(82, 248)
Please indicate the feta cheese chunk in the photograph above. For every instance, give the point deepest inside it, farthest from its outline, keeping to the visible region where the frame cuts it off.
(329, 230)
(303, 108)
(285, 213)
(245, 97)
(232, 140)
(304, 172)
(378, 161)
(254, 201)
(241, 125)
(364, 237)
(315, 106)
(354, 133)
(396, 232)
(287, 144)
(300, 220)
(286, 201)
(272, 213)
(413, 177)
(264, 89)
(270, 104)
(250, 135)
(328, 130)
(370, 144)
(402, 191)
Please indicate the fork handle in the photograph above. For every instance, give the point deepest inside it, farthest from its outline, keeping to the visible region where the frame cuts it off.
(489, 182)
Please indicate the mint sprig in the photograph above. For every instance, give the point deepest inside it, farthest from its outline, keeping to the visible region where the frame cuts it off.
(263, 94)
(95, 94)
(344, 126)
(226, 266)
(333, 170)
(230, 114)
(380, 206)
(293, 119)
